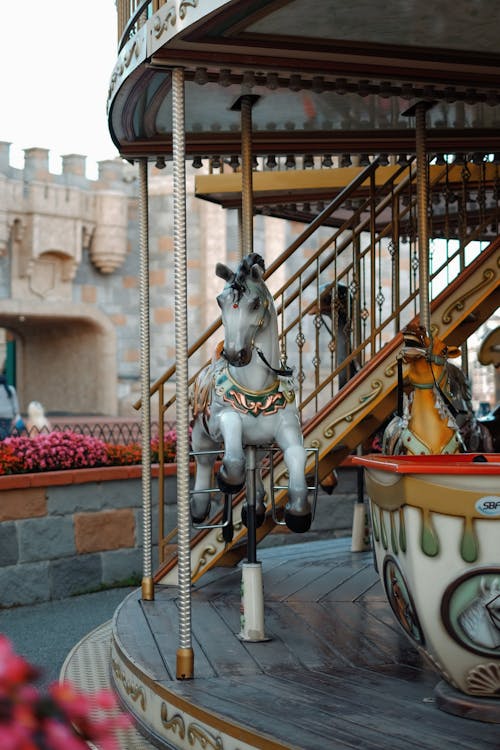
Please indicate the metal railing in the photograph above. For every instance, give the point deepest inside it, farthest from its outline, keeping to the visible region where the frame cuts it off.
(131, 15)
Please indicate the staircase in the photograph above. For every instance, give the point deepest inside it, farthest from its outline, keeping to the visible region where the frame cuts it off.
(342, 305)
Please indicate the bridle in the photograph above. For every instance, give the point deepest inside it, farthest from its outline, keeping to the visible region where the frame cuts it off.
(436, 383)
(285, 372)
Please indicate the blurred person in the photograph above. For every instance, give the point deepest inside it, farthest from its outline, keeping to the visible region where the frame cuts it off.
(9, 407)
(36, 420)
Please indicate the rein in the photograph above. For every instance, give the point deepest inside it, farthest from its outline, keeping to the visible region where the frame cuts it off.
(285, 372)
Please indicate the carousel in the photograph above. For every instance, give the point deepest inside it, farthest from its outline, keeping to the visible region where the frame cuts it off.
(393, 112)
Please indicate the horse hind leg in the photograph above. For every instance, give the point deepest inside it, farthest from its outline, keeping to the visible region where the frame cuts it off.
(298, 513)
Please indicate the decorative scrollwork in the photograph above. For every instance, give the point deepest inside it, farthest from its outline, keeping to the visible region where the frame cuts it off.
(365, 399)
(220, 536)
(186, 4)
(133, 51)
(175, 724)
(196, 733)
(391, 369)
(159, 25)
(459, 304)
(135, 692)
(202, 560)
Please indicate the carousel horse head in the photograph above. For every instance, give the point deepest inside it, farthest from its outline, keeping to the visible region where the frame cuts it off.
(245, 398)
(426, 356)
(245, 305)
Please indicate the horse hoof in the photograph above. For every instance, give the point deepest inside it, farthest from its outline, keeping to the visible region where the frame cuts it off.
(197, 520)
(228, 533)
(226, 488)
(260, 516)
(298, 524)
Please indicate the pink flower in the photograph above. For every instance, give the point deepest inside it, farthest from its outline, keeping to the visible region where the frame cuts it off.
(14, 670)
(61, 737)
(31, 721)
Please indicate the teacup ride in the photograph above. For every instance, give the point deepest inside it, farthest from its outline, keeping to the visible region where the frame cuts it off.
(244, 407)
(436, 536)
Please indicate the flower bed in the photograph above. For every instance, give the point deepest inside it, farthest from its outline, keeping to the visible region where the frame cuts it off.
(71, 513)
(56, 451)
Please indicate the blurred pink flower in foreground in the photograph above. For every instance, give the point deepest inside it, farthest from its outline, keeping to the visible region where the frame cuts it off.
(61, 719)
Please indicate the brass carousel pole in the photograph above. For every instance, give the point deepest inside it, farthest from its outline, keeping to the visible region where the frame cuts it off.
(419, 111)
(252, 591)
(245, 211)
(185, 654)
(147, 587)
(423, 225)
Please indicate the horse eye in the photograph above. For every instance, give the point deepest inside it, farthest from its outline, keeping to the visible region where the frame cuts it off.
(256, 303)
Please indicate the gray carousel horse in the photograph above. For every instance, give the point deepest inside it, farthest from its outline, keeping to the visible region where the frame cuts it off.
(245, 397)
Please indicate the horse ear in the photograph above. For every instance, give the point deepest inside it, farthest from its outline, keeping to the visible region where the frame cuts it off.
(452, 352)
(224, 272)
(256, 272)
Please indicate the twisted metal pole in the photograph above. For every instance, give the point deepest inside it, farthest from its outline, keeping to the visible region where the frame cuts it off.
(423, 226)
(246, 176)
(185, 654)
(147, 586)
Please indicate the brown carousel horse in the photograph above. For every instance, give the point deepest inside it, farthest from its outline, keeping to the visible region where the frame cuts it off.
(437, 415)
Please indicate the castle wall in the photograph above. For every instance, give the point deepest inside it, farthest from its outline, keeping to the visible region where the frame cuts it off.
(69, 277)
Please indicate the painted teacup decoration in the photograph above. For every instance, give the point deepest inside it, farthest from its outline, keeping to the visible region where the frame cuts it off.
(436, 532)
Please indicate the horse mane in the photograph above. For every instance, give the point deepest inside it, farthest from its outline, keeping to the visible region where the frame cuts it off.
(244, 271)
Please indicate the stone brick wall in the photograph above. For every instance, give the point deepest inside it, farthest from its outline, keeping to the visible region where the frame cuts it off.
(58, 539)
(68, 532)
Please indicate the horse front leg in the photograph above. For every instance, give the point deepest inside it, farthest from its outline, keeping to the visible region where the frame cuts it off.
(231, 476)
(200, 501)
(298, 514)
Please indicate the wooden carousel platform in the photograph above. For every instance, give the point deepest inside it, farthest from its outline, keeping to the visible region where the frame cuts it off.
(336, 673)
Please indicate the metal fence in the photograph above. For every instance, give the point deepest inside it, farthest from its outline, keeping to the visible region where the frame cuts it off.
(116, 433)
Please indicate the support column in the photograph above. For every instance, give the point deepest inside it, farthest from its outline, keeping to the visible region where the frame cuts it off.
(246, 175)
(422, 217)
(419, 111)
(147, 587)
(185, 654)
(244, 105)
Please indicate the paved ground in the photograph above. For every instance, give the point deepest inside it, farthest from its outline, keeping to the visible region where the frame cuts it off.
(45, 633)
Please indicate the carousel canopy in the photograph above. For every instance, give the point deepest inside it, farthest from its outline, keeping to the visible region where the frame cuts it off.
(329, 76)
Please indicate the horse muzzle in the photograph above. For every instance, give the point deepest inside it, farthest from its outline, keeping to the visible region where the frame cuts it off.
(238, 358)
(410, 353)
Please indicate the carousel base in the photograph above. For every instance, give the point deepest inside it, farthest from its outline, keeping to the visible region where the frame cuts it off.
(336, 672)
(467, 706)
(87, 667)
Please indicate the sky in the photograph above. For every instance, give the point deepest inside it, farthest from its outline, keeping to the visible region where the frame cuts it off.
(56, 60)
